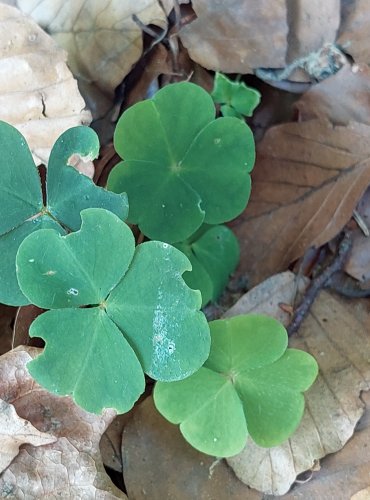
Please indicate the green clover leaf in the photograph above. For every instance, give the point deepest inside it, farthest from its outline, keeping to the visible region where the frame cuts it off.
(68, 192)
(181, 166)
(214, 254)
(138, 314)
(250, 384)
(236, 98)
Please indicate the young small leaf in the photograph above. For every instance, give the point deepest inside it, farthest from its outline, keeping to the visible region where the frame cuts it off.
(68, 192)
(213, 255)
(181, 166)
(236, 98)
(138, 292)
(250, 384)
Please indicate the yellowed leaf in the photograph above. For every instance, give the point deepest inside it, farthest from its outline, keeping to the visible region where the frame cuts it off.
(307, 180)
(102, 39)
(15, 431)
(38, 94)
(337, 336)
(71, 467)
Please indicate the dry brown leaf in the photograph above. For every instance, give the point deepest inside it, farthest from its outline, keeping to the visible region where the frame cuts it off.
(344, 473)
(7, 315)
(111, 441)
(342, 98)
(38, 94)
(15, 431)
(362, 494)
(282, 288)
(102, 40)
(69, 468)
(159, 464)
(311, 25)
(358, 262)
(307, 181)
(236, 36)
(156, 63)
(337, 336)
(354, 30)
(23, 320)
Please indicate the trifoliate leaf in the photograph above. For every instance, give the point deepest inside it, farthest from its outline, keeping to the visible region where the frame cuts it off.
(68, 192)
(250, 384)
(87, 356)
(214, 255)
(181, 166)
(136, 293)
(236, 98)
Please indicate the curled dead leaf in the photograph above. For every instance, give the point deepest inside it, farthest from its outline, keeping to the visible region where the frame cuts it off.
(38, 93)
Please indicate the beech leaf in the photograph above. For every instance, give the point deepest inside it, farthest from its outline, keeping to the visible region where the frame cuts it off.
(38, 93)
(308, 179)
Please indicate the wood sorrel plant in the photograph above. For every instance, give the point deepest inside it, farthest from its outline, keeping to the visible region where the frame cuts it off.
(117, 314)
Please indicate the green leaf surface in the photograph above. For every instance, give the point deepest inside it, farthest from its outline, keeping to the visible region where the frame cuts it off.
(94, 363)
(249, 367)
(214, 255)
(182, 167)
(274, 393)
(69, 271)
(236, 98)
(68, 192)
(140, 293)
(170, 321)
(207, 401)
(20, 188)
(10, 292)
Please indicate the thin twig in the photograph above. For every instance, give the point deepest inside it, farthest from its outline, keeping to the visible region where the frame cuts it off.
(318, 283)
(157, 38)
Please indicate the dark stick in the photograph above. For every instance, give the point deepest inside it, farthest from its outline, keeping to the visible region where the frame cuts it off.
(318, 283)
